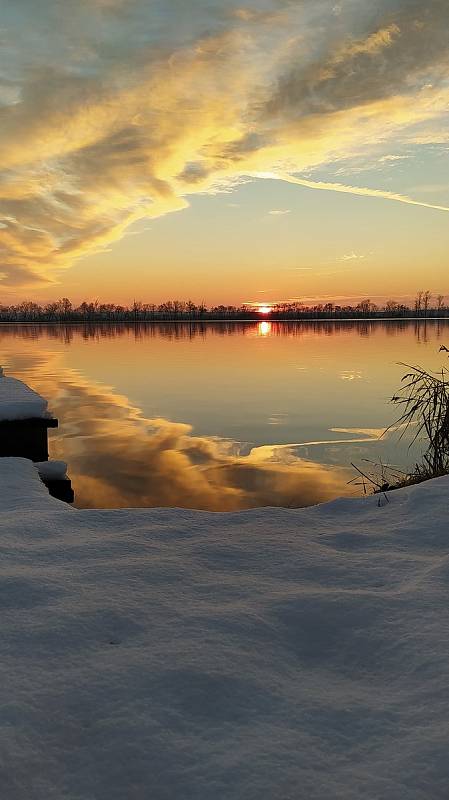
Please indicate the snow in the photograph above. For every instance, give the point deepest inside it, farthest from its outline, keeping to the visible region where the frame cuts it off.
(21, 490)
(272, 654)
(18, 401)
(52, 470)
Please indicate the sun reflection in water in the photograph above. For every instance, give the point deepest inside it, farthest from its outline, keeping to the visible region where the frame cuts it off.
(264, 328)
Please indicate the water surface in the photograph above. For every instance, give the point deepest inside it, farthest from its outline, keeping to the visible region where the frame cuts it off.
(220, 416)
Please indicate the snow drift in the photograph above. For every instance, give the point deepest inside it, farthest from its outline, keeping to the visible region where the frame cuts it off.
(261, 655)
(18, 401)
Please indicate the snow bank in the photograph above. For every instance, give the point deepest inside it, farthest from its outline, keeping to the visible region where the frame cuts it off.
(21, 490)
(18, 401)
(263, 655)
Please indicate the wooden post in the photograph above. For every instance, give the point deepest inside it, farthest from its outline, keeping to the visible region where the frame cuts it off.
(24, 424)
(26, 438)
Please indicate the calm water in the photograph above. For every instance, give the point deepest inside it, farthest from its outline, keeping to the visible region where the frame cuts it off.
(220, 416)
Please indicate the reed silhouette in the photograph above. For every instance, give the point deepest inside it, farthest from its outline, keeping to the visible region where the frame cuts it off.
(423, 398)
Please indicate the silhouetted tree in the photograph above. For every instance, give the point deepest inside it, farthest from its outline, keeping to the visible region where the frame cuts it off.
(425, 301)
(418, 302)
(173, 310)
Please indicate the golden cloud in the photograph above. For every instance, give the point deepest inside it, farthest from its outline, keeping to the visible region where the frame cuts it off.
(127, 120)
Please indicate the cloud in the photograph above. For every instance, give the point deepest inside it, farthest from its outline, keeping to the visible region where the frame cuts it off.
(357, 190)
(278, 212)
(112, 111)
(378, 63)
(392, 158)
(352, 257)
(429, 137)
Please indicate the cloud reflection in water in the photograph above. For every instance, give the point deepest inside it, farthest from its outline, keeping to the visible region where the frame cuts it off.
(118, 458)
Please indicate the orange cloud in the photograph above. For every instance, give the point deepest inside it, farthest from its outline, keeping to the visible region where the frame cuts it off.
(99, 135)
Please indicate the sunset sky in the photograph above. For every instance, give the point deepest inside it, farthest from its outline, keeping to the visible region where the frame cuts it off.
(225, 151)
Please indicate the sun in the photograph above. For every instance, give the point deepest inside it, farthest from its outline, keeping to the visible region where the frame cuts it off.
(264, 310)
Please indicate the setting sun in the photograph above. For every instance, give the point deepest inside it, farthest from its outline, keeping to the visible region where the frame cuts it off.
(264, 310)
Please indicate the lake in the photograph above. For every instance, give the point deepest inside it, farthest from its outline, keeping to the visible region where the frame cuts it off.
(221, 416)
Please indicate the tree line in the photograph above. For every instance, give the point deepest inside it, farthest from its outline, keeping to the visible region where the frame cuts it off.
(425, 306)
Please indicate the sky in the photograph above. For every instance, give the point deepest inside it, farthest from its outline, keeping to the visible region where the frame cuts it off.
(257, 151)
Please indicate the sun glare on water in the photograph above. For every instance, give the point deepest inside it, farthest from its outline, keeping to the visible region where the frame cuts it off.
(264, 328)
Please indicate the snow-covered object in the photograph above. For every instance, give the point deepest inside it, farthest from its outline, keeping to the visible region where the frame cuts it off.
(52, 470)
(18, 401)
(21, 490)
(271, 654)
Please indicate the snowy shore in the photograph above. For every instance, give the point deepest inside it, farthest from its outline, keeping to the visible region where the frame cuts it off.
(262, 655)
(18, 401)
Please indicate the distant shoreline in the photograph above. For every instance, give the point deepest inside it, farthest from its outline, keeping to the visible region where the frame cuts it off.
(206, 320)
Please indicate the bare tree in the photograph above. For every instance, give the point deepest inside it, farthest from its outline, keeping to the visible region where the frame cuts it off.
(391, 307)
(136, 309)
(426, 301)
(418, 302)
